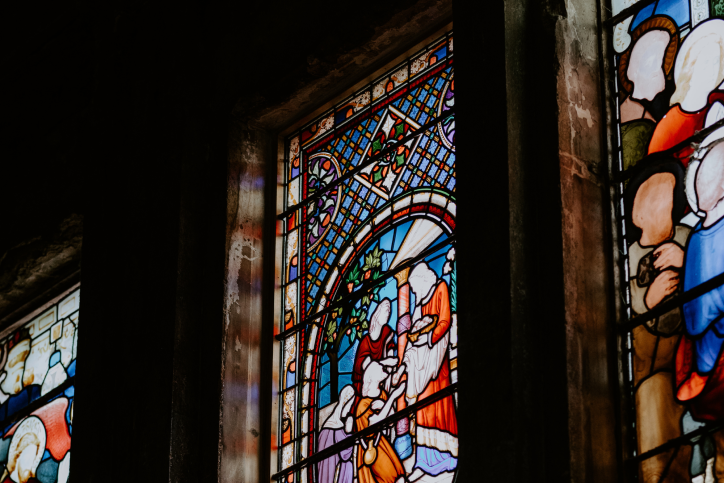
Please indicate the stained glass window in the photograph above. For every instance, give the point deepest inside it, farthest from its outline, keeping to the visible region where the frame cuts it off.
(36, 394)
(368, 326)
(668, 70)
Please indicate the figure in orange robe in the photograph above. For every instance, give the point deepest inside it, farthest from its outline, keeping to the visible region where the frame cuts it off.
(377, 461)
(679, 125)
(427, 364)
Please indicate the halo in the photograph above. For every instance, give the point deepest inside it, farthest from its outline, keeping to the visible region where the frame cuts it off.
(654, 23)
(31, 425)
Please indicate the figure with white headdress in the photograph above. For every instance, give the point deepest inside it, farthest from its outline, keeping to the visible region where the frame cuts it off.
(377, 345)
(338, 468)
(427, 365)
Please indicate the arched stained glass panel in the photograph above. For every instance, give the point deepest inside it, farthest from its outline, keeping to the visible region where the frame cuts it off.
(368, 333)
(669, 183)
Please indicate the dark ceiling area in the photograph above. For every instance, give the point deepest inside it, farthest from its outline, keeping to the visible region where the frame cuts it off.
(91, 84)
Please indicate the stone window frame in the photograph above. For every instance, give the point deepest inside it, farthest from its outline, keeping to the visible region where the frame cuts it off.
(251, 310)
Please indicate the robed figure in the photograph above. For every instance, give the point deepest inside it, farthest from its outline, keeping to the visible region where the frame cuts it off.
(377, 345)
(427, 365)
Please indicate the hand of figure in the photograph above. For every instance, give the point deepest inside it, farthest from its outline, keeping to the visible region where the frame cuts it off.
(668, 255)
(377, 404)
(396, 377)
(662, 286)
(390, 361)
(399, 390)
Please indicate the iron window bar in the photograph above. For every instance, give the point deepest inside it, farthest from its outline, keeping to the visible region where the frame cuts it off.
(698, 137)
(26, 411)
(627, 12)
(364, 289)
(678, 441)
(661, 309)
(352, 172)
(369, 431)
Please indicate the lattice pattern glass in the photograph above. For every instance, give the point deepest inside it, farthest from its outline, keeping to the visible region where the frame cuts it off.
(369, 322)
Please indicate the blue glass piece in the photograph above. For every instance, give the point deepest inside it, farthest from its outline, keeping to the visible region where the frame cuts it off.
(18, 401)
(389, 290)
(70, 392)
(436, 265)
(340, 116)
(344, 379)
(386, 240)
(46, 455)
(403, 446)
(71, 369)
(47, 471)
(355, 135)
(643, 14)
(324, 396)
(324, 379)
(676, 9)
(346, 363)
(4, 449)
(55, 358)
(400, 233)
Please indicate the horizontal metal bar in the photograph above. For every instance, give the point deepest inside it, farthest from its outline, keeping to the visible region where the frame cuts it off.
(365, 287)
(626, 12)
(369, 431)
(696, 138)
(673, 443)
(38, 403)
(675, 302)
(367, 163)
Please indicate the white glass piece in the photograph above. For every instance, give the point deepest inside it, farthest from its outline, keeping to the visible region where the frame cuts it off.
(621, 36)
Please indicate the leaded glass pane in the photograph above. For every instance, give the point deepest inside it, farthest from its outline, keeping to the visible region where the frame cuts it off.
(669, 178)
(369, 322)
(37, 392)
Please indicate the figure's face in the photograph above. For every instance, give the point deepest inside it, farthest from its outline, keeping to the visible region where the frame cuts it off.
(710, 179)
(645, 68)
(652, 209)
